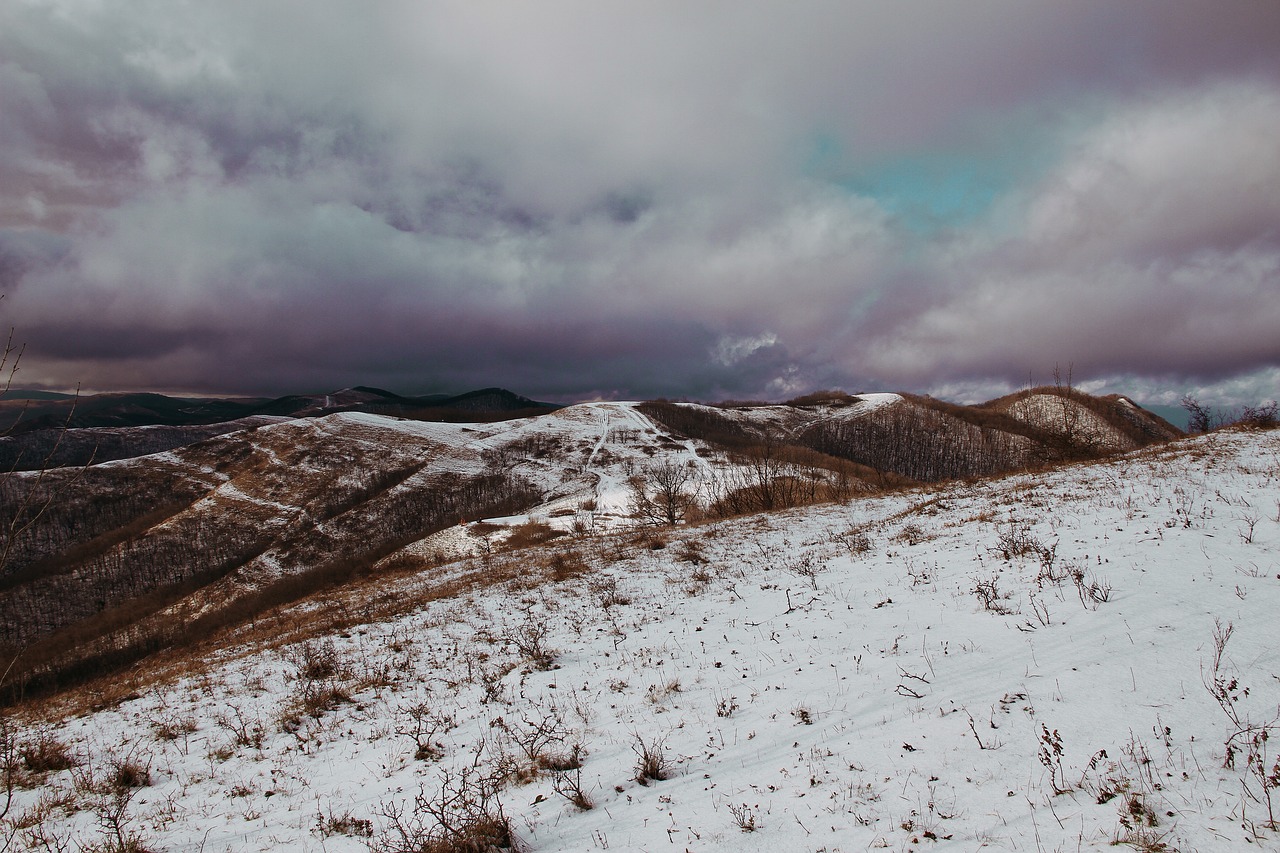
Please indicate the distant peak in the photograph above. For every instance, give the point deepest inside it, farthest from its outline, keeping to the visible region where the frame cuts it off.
(365, 389)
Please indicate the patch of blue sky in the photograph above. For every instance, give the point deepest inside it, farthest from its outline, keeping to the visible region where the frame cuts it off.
(932, 191)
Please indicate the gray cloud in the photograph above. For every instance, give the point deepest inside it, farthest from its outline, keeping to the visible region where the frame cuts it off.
(664, 199)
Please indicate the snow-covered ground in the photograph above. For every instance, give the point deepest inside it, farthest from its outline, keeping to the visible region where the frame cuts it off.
(1017, 664)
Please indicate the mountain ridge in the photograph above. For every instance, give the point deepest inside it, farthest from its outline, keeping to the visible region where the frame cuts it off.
(127, 556)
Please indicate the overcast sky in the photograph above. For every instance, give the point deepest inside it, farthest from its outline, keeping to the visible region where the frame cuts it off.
(629, 200)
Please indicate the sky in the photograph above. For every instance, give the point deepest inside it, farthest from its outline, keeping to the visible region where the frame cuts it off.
(608, 200)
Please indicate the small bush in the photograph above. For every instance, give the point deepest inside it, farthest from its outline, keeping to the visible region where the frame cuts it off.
(566, 564)
(532, 533)
(744, 817)
(425, 725)
(316, 659)
(859, 542)
(128, 773)
(570, 787)
(317, 699)
(988, 592)
(342, 824)
(174, 727)
(46, 754)
(245, 729)
(1016, 540)
(465, 816)
(652, 763)
(530, 638)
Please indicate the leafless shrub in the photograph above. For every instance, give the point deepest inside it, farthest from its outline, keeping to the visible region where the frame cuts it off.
(110, 796)
(465, 816)
(859, 542)
(245, 729)
(744, 817)
(566, 563)
(320, 687)
(530, 638)
(662, 493)
(1092, 590)
(690, 551)
(531, 533)
(425, 724)
(172, 727)
(10, 766)
(45, 836)
(570, 787)
(1202, 418)
(606, 592)
(128, 772)
(1243, 734)
(1017, 540)
(921, 575)
(1052, 572)
(537, 738)
(912, 534)
(808, 567)
(491, 684)
(311, 699)
(342, 824)
(989, 596)
(652, 763)
(1262, 416)
(1250, 521)
(316, 659)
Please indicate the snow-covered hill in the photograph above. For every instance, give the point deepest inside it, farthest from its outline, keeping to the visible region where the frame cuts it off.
(1051, 662)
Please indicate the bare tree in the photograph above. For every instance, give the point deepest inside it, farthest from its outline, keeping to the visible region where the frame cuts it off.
(1200, 417)
(663, 493)
(1073, 436)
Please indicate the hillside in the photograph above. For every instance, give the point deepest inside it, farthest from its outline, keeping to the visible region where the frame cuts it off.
(122, 559)
(1053, 661)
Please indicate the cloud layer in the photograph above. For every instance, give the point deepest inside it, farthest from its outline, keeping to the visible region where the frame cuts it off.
(578, 199)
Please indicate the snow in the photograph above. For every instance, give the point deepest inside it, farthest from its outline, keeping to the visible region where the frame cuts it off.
(828, 673)
(1052, 412)
(871, 402)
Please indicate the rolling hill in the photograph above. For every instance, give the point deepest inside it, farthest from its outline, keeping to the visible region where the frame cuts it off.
(1070, 657)
(115, 561)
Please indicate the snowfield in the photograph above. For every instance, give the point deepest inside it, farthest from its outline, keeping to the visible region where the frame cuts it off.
(1057, 661)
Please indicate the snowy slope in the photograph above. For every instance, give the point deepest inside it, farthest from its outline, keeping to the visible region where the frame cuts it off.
(826, 678)
(1060, 414)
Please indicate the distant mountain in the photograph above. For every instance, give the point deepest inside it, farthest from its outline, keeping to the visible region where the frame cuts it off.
(77, 446)
(44, 429)
(487, 404)
(26, 411)
(18, 394)
(19, 415)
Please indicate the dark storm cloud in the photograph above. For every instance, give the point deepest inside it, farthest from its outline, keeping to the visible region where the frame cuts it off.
(638, 200)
